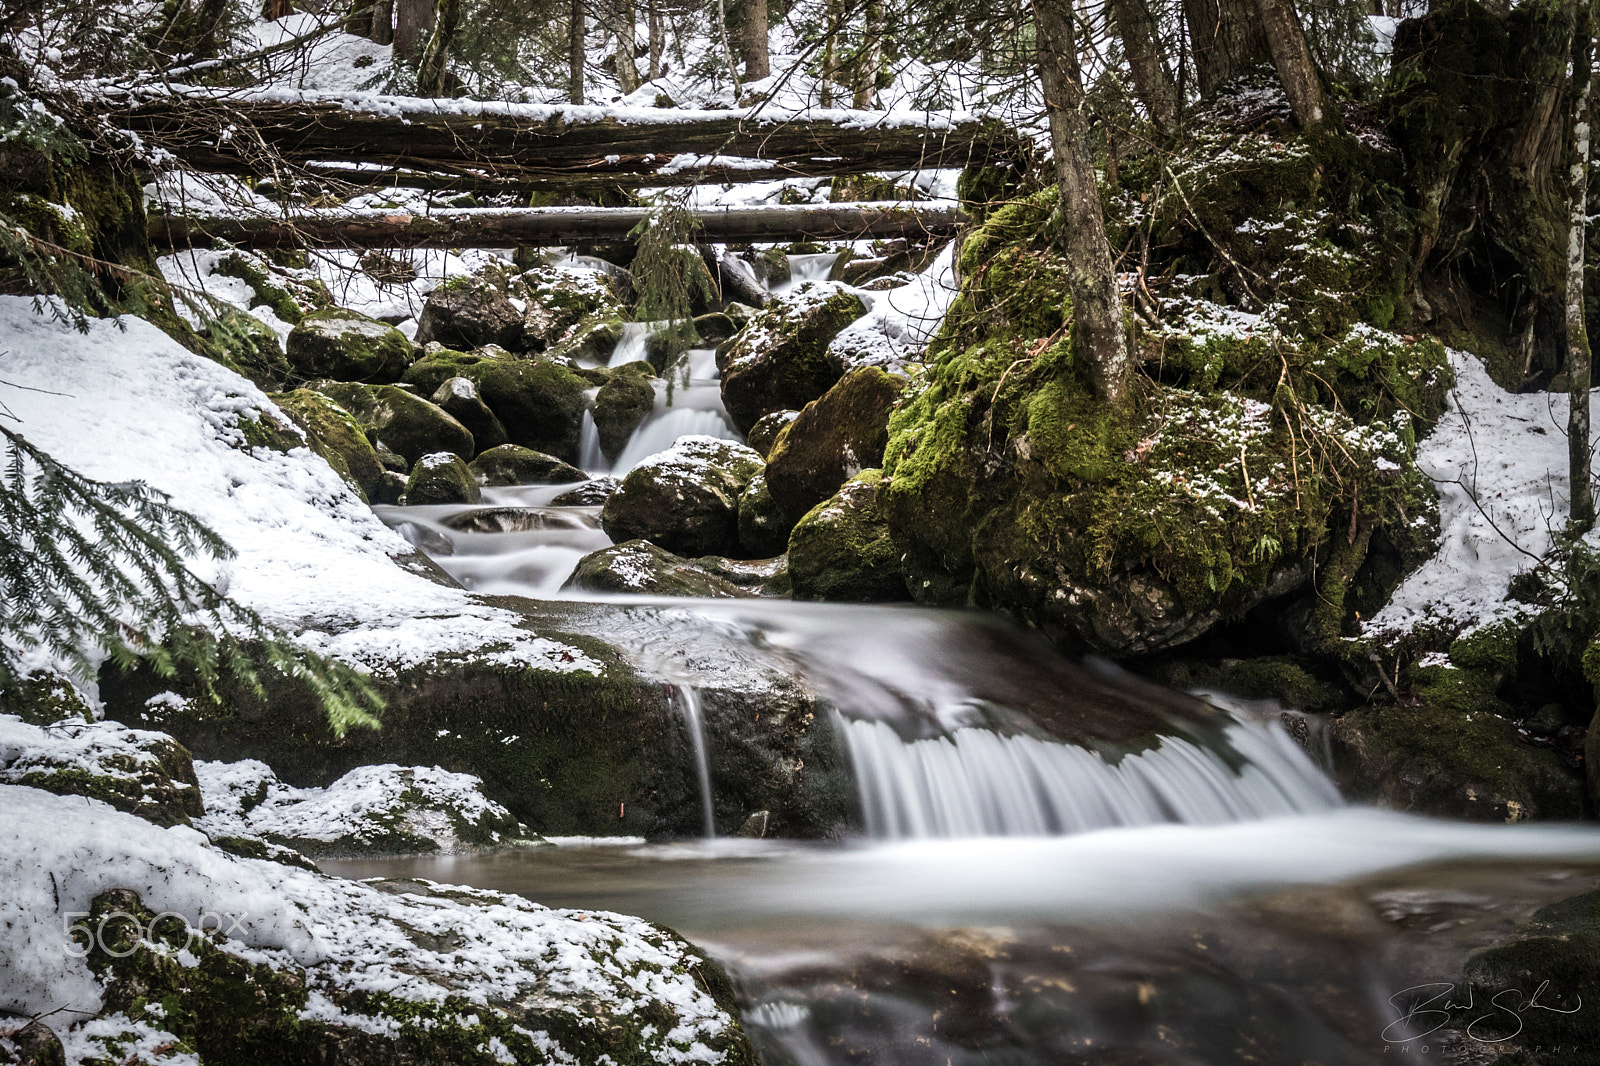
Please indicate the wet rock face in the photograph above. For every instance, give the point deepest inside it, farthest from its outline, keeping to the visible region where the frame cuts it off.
(622, 403)
(780, 360)
(589, 494)
(637, 566)
(841, 550)
(468, 312)
(832, 440)
(685, 499)
(459, 398)
(763, 526)
(512, 464)
(406, 424)
(346, 346)
(441, 478)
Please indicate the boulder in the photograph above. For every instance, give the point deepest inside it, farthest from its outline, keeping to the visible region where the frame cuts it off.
(441, 478)
(685, 499)
(346, 346)
(390, 461)
(333, 434)
(561, 302)
(42, 697)
(139, 771)
(540, 403)
(764, 577)
(439, 364)
(593, 339)
(832, 440)
(512, 464)
(763, 526)
(841, 550)
(638, 566)
(765, 432)
(714, 328)
(884, 258)
(781, 359)
(244, 343)
(621, 404)
(459, 398)
(589, 494)
(406, 424)
(471, 310)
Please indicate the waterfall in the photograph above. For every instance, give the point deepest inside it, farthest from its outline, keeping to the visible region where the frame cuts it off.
(658, 432)
(630, 346)
(803, 268)
(973, 782)
(688, 701)
(591, 460)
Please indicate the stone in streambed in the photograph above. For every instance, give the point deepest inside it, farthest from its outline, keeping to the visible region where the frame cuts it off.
(333, 434)
(512, 464)
(765, 432)
(408, 425)
(781, 360)
(763, 526)
(637, 566)
(841, 550)
(832, 440)
(441, 478)
(589, 494)
(347, 346)
(685, 499)
(459, 397)
(471, 310)
(622, 403)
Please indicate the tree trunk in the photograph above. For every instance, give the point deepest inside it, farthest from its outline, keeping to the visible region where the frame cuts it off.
(1226, 39)
(830, 53)
(577, 28)
(430, 70)
(273, 10)
(413, 20)
(727, 49)
(1302, 81)
(627, 70)
(1100, 330)
(1578, 354)
(382, 31)
(753, 31)
(358, 18)
(870, 58)
(658, 42)
(1152, 81)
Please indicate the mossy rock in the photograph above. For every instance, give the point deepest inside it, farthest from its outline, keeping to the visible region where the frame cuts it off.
(247, 345)
(622, 403)
(441, 478)
(512, 464)
(764, 577)
(637, 566)
(593, 493)
(44, 698)
(763, 526)
(841, 549)
(288, 300)
(685, 499)
(140, 772)
(764, 434)
(459, 398)
(714, 328)
(469, 311)
(832, 440)
(347, 346)
(540, 403)
(563, 305)
(1449, 748)
(1289, 679)
(406, 424)
(333, 434)
(439, 364)
(780, 361)
(592, 338)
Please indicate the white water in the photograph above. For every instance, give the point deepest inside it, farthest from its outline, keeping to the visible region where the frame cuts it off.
(688, 701)
(803, 268)
(630, 346)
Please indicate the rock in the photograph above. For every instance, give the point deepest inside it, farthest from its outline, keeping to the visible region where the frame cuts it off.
(390, 461)
(459, 397)
(471, 310)
(38, 1045)
(333, 434)
(621, 404)
(439, 364)
(539, 402)
(559, 300)
(765, 577)
(346, 346)
(593, 338)
(144, 773)
(441, 478)
(590, 494)
(841, 550)
(832, 440)
(763, 525)
(765, 432)
(738, 280)
(392, 487)
(886, 258)
(714, 328)
(638, 566)
(248, 345)
(781, 360)
(685, 499)
(755, 826)
(44, 698)
(512, 464)
(406, 424)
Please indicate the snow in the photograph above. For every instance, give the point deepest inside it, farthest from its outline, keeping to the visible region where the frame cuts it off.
(125, 402)
(101, 749)
(900, 322)
(1499, 462)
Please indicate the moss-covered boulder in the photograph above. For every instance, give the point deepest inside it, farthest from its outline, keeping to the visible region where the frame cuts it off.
(333, 434)
(459, 398)
(763, 577)
(685, 499)
(144, 773)
(405, 423)
(637, 566)
(512, 464)
(592, 493)
(347, 346)
(42, 697)
(592, 339)
(287, 294)
(471, 310)
(622, 403)
(764, 434)
(246, 344)
(540, 403)
(561, 303)
(781, 360)
(441, 477)
(832, 440)
(1449, 747)
(841, 550)
(439, 364)
(763, 525)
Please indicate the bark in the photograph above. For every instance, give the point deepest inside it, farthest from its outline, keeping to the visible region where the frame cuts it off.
(1152, 81)
(273, 10)
(727, 49)
(358, 18)
(500, 227)
(830, 54)
(430, 70)
(577, 28)
(627, 69)
(1578, 354)
(413, 20)
(1098, 322)
(1226, 39)
(658, 38)
(382, 31)
(870, 59)
(753, 31)
(1302, 81)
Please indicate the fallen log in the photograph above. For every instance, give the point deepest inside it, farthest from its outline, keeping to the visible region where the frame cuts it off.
(367, 139)
(547, 226)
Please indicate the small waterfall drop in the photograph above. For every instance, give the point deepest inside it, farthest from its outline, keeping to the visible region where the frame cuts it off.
(804, 268)
(658, 432)
(631, 345)
(591, 459)
(687, 698)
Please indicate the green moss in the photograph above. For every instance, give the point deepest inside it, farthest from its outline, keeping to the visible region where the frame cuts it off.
(269, 292)
(335, 435)
(244, 344)
(41, 698)
(1491, 650)
(841, 549)
(262, 429)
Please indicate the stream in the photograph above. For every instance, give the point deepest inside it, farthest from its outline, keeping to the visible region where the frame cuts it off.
(1057, 862)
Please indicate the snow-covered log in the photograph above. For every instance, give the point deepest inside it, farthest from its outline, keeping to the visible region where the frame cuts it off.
(500, 228)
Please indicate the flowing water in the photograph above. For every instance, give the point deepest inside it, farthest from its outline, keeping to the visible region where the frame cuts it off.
(1055, 861)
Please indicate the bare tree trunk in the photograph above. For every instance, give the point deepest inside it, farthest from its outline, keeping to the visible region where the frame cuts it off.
(413, 21)
(273, 10)
(576, 32)
(1152, 82)
(1578, 353)
(382, 22)
(830, 53)
(1226, 39)
(627, 70)
(871, 58)
(430, 71)
(1301, 79)
(753, 31)
(1100, 329)
(358, 18)
(658, 42)
(727, 49)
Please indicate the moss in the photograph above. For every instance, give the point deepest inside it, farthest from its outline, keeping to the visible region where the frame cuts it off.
(41, 698)
(336, 436)
(1490, 651)
(264, 429)
(245, 344)
(1288, 679)
(269, 292)
(841, 549)
(621, 405)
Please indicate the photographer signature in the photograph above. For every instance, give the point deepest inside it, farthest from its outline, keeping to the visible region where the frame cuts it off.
(1435, 1004)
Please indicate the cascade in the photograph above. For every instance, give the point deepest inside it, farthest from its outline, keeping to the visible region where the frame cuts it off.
(687, 698)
